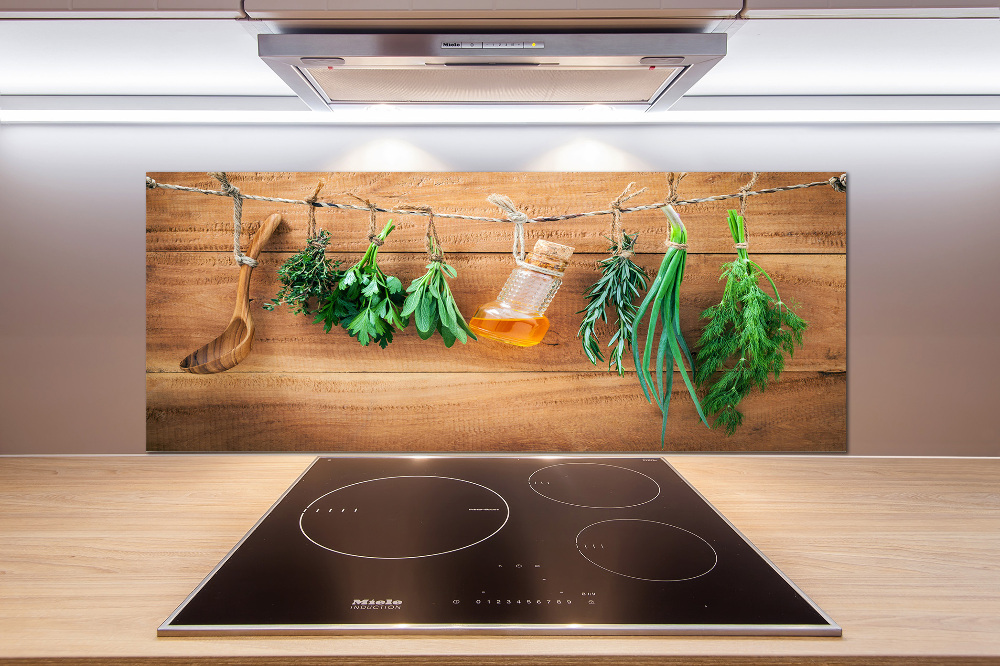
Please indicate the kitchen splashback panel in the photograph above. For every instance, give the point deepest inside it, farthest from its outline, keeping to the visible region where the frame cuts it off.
(301, 389)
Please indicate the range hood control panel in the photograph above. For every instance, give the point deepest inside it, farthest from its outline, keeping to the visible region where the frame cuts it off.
(493, 45)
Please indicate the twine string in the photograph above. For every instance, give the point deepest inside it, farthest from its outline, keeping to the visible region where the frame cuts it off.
(432, 242)
(231, 190)
(518, 218)
(311, 224)
(673, 180)
(743, 209)
(372, 222)
(617, 234)
(152, 184)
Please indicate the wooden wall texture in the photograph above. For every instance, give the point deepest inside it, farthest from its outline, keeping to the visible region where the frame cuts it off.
(304, 390)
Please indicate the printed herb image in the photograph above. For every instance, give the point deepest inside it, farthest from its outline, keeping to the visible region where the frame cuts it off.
(622, 281)
(307, 277)
(749, 329)
(662, 307)
(433, 307)
(374, 297)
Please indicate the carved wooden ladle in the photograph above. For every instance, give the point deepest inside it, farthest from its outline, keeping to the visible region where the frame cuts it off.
(233, 345)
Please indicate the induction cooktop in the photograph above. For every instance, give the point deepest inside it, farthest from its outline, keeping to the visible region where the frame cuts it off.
(495, 545)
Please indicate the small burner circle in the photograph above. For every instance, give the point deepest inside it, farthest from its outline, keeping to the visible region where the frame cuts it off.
(594, 485)
(646, 550)
(404, 517)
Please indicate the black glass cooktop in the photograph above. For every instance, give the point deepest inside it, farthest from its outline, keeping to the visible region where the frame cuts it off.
(506, 545)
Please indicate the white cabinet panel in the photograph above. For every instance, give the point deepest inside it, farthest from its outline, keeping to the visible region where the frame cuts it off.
(871, 8)
(120, 8)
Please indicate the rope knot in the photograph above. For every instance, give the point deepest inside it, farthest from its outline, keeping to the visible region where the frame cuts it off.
(617, 235)
(839, 183)
(232, 191)
(517, 217)
(150, 183)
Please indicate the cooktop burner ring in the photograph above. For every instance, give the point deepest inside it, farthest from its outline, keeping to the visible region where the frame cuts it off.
(473, 512)
(645, 498)
(681, 561)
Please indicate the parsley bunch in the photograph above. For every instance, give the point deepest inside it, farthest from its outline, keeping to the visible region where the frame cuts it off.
(367, 300)
(662, 303)
(749, 326)
(434, 308)
(306, 278)
(621, 281)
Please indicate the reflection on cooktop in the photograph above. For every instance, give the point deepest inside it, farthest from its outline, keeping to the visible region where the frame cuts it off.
(531, 545)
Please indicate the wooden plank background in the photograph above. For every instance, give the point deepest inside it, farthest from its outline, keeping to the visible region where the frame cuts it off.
(304, 390)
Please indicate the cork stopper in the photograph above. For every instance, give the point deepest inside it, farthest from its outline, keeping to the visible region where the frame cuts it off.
(552, 256)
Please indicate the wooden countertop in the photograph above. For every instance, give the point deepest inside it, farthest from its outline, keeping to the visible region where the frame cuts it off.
(904, 553)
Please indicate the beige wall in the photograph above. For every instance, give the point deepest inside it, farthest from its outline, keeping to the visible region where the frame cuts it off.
(923, 233)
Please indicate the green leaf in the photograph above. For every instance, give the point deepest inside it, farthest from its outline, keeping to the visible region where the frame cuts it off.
(393, 284)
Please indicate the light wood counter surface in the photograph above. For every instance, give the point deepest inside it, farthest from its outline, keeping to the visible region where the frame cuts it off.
(904, 553)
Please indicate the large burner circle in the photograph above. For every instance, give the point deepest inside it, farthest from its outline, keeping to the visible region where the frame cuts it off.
(404, 517)
(646, 550)
(594, 485)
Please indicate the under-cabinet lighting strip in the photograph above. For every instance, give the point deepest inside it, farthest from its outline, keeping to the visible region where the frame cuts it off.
(689, 110)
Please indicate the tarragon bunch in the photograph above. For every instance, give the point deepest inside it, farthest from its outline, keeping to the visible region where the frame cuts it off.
(433, 307)
(621, 282)
(749, 330)
(373, 297)
(306, 278)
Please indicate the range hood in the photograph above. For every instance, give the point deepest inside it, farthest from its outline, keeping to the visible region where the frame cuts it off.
(648, 71)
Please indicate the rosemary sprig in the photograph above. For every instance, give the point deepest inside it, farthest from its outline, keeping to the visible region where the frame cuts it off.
(306, 277)
(432, 305)
(748, 325)
(621, 282)
(662, 303)
(374, 296)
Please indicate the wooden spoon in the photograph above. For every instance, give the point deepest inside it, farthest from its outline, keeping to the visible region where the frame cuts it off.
(233, 345)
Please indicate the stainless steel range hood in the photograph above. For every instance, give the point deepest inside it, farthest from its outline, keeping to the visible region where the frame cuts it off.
(649, 71)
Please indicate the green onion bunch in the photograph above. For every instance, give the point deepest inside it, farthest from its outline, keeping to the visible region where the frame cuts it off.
(661, 308)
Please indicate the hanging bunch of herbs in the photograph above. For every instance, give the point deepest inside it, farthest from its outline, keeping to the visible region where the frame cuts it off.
(621, 283)
(307, 277)
(430, 300)
(749, 329)
(661, 311)
(366, 301)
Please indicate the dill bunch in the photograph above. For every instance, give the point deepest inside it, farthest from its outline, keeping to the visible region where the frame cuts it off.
(306, 277)
(749, 330)
(662, 303)
(621, 281)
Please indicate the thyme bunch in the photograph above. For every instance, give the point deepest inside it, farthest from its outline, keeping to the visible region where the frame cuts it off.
(306, 277)
(662, 304)
(621, 282)
(749, 329)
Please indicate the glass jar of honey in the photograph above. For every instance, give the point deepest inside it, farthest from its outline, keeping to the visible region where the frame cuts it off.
(517, 316)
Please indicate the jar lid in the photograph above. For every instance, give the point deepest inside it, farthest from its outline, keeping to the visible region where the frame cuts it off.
(552, 256)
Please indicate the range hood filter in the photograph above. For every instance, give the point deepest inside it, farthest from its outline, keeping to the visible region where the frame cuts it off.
(647, 70)
(502, 84)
